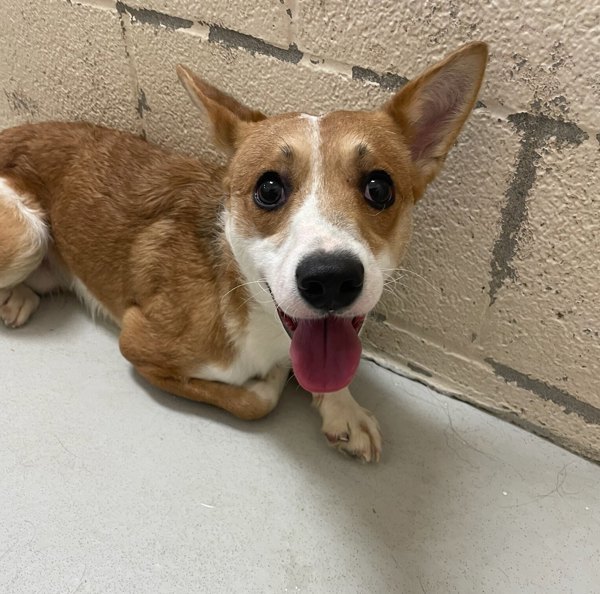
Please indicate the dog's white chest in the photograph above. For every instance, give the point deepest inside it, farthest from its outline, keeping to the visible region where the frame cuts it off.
(259, 347)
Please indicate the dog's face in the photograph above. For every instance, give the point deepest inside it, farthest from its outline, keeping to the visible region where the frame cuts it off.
(319, 208)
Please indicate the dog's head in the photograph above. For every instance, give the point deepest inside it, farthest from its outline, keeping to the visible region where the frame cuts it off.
(319, 208)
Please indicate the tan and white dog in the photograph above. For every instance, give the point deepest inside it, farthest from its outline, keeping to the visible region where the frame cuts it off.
(218, 276)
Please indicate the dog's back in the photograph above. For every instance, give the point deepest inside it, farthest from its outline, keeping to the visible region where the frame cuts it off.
(98, 187)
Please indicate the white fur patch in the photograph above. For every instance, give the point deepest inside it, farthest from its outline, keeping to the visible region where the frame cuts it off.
(316, 158)
(95, 308)
(38, 236)
(33, 217)
(259, 346)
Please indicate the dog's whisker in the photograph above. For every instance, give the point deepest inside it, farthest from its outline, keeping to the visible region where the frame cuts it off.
(392, 270)
(266, 291)
(395, 288)
(392, 285)
(289, 380)
(253, 299)
(259, 281)
(393, 280)
(436, 289)
(390, 292)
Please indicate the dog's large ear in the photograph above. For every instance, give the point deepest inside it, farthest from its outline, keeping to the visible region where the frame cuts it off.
(228, 116)
(432, 108)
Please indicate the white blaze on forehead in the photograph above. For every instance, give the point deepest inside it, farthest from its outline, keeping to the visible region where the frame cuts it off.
(316, 157)
(312, 226)
(309, 226)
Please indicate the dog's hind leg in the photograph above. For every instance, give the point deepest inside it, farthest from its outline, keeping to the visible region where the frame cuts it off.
(140, 344)
(23, 244)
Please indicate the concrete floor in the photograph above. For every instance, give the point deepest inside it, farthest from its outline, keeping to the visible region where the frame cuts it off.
(107, 485)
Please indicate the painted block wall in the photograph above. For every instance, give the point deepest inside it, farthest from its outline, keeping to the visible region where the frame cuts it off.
(499, 301)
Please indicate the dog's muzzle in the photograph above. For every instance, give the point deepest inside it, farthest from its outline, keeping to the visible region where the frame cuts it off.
(325, 348)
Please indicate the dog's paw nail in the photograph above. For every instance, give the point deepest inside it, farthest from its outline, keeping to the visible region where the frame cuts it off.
(337, 438)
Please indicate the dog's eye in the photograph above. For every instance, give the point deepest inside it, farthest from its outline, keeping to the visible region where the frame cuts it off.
(379, 189)
(270, 191)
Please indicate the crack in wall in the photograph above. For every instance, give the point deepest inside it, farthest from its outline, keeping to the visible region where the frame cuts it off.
(418, 369)
(389, 81)
(142, 105)
(20, 103)
(569, 403)
(536, 131)
(137, 92)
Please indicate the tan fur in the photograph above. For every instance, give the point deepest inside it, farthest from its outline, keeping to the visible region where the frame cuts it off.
(262, 150)
(135, 230)
(140, 226)
(385, 151)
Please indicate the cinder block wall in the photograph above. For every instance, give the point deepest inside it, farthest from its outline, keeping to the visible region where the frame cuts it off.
(499, 304)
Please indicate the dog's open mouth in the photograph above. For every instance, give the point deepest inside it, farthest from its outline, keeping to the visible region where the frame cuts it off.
(325, 352)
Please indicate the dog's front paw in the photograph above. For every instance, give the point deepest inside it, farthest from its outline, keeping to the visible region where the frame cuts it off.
(17, 305)
(349, 427)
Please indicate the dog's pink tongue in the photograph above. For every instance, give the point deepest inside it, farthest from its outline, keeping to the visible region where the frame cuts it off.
(325, 354)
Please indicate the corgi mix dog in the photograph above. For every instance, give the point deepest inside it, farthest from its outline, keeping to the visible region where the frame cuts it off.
(218, 277)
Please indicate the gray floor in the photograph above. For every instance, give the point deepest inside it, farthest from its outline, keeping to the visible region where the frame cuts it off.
(107, 485)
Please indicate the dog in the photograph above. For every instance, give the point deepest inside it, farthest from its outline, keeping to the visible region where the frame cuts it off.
(219, 276)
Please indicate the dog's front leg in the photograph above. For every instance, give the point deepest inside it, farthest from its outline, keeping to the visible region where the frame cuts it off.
(348, 426)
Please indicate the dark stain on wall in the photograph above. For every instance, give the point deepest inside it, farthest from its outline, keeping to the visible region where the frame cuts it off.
(536, 130)
(569, 403)
(146, 16)
(388, 81)
(253, 45)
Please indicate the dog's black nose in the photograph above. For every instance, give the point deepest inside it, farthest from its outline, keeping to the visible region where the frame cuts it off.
(330, 281)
